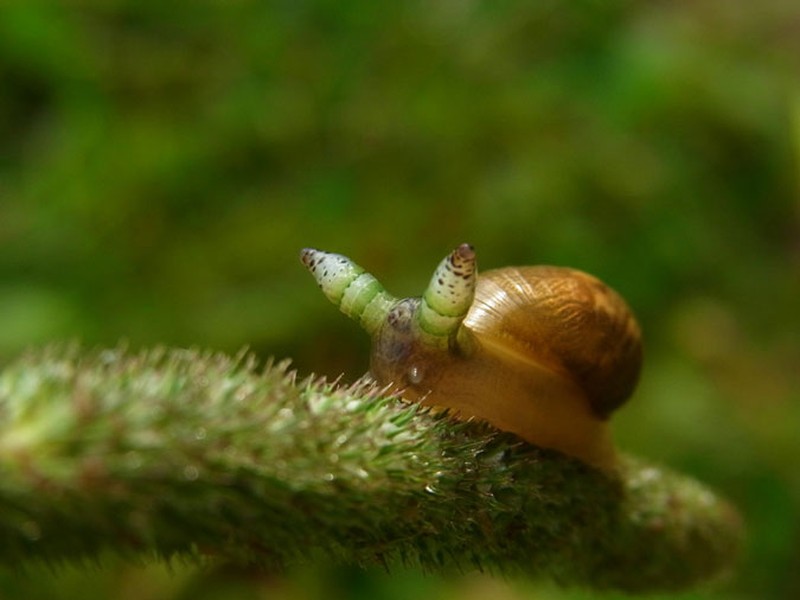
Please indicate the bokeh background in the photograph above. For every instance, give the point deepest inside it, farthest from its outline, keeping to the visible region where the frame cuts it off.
(161, 165)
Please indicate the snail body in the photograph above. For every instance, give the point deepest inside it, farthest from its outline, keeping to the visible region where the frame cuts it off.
(547, 353)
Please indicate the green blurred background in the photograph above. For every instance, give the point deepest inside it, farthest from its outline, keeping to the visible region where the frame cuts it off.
(161, 165)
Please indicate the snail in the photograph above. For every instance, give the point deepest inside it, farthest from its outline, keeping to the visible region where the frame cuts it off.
(544, 352)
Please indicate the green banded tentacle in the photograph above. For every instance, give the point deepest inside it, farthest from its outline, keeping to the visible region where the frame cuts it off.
(449, 296)
(357, 293)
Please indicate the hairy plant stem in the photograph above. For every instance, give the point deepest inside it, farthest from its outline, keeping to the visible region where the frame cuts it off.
(187, 453)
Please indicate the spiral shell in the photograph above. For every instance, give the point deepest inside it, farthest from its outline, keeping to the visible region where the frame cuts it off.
(566, 320)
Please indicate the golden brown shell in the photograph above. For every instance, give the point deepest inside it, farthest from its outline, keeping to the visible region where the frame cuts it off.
(565, 320)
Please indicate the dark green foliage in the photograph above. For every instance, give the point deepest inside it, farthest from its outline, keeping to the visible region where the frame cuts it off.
(161, 164)
(183, 453)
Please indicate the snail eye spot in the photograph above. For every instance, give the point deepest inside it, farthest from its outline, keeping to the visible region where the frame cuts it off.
(415, 375)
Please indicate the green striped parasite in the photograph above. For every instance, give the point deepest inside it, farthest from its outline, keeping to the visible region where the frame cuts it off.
(547, 353)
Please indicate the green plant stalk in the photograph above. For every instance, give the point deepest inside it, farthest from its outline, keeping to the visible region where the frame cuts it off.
(191, 454)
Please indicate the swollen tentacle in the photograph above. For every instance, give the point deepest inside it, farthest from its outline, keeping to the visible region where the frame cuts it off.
(357, 293)
(449, 296)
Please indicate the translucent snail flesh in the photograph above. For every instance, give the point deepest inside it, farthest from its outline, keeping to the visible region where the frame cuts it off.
(547, 353)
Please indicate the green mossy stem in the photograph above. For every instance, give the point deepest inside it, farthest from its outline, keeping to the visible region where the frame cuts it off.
(183, 453)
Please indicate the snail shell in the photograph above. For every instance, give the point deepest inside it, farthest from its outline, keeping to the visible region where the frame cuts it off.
(566, 320)
(547, 353)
